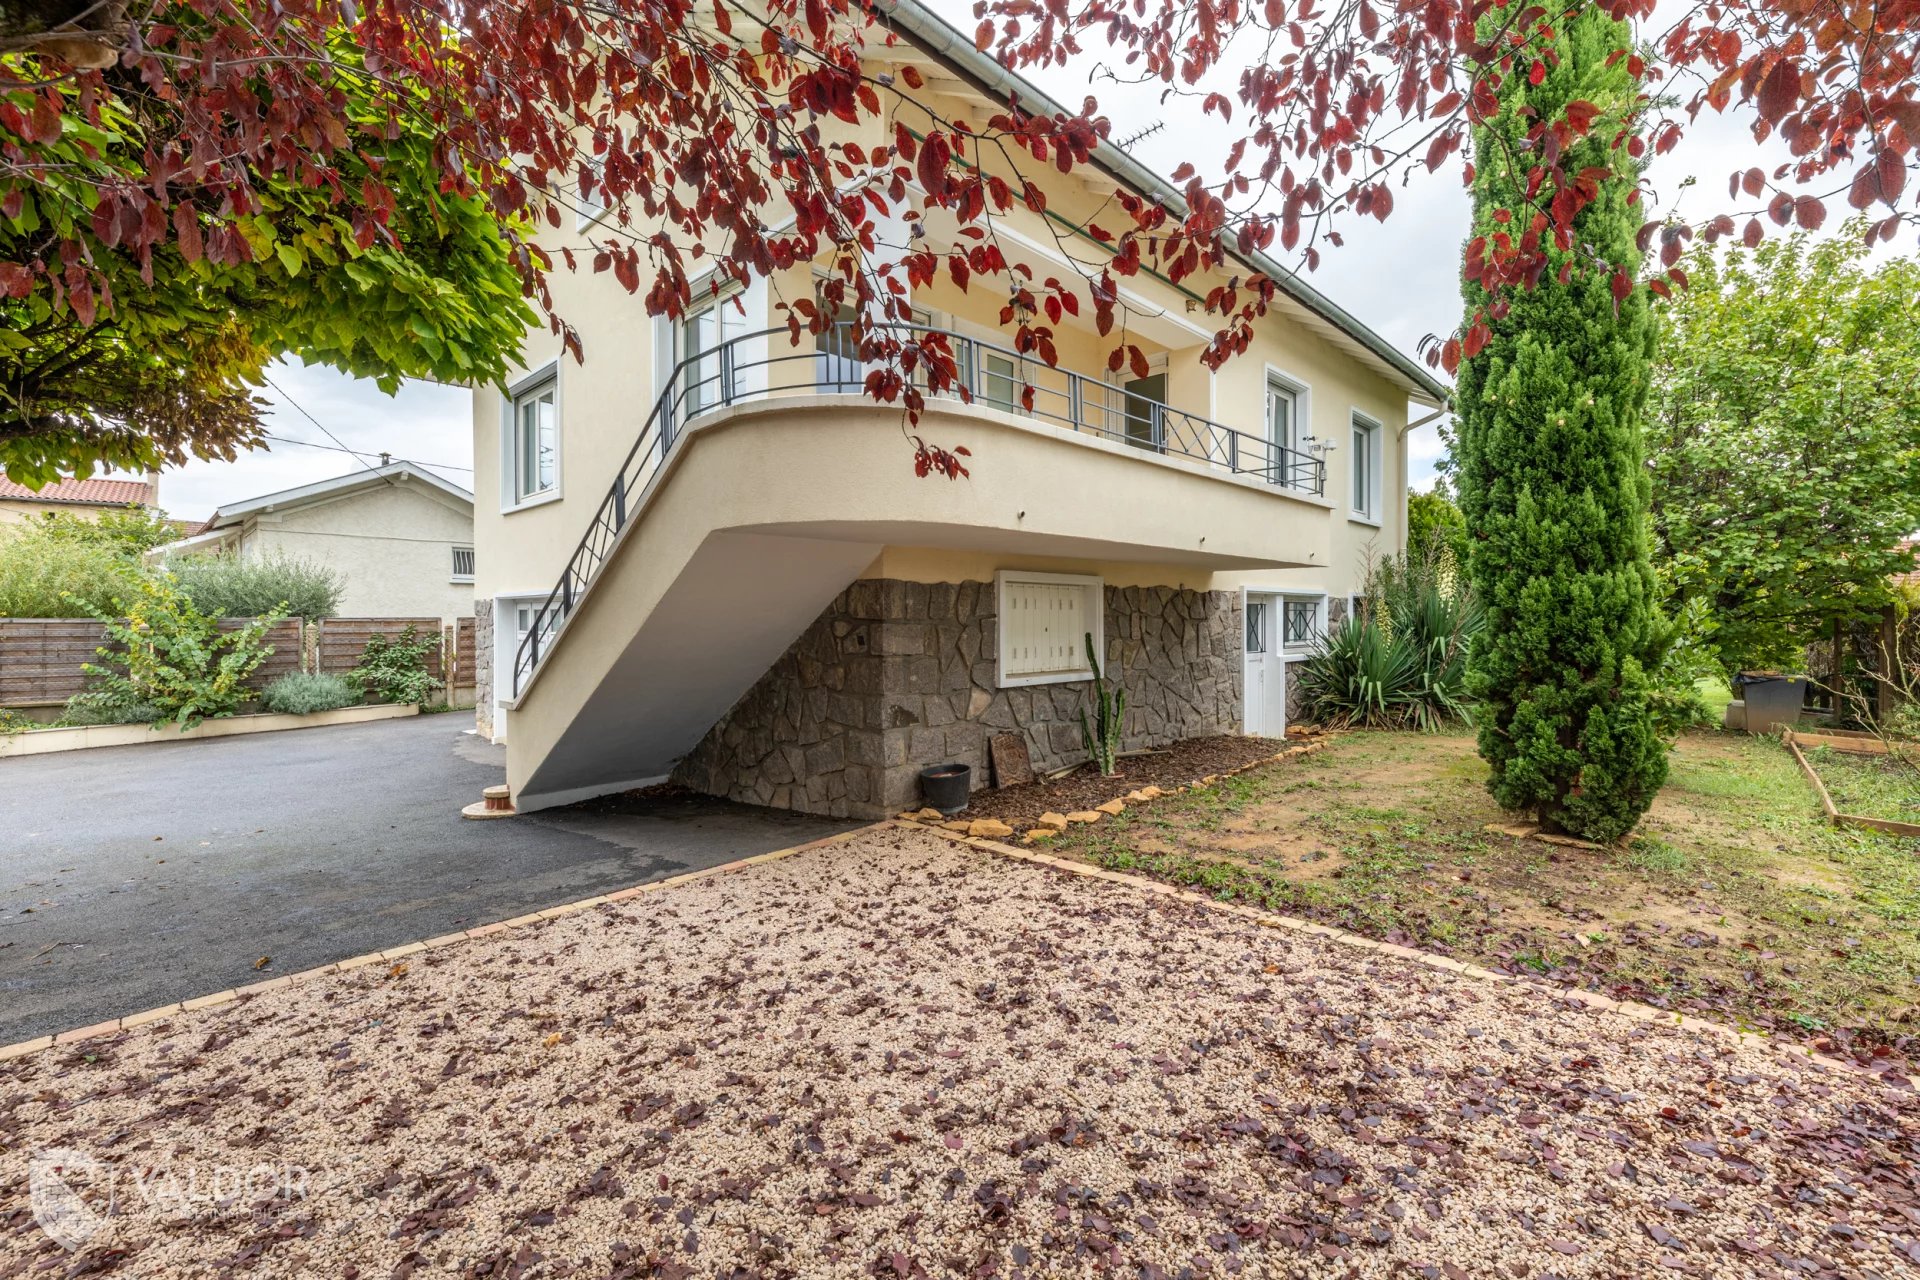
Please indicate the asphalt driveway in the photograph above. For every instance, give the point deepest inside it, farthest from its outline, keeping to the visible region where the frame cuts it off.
(131, 877)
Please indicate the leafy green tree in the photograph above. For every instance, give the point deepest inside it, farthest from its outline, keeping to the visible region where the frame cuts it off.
(1553, 483)
(122, 350)
(45, 575)
(1784, 434)
(1433, 520)
(129, 531)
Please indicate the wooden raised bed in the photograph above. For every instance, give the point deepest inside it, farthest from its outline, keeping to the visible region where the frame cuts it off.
(1857, 744)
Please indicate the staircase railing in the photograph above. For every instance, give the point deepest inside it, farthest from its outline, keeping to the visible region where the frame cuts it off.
(744, 368)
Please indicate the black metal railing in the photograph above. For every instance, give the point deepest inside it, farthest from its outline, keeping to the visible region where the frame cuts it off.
(747, 368)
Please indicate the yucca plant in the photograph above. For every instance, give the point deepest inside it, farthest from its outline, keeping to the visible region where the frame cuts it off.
(1401, 663)
(1358, 676)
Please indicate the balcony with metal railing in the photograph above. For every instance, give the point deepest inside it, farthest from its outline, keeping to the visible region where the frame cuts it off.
(763, 366)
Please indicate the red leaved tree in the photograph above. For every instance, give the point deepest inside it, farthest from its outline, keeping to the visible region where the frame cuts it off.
(712, 127)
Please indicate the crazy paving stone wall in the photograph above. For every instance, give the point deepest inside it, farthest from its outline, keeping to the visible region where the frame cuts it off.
(483, 708)
(895, 676)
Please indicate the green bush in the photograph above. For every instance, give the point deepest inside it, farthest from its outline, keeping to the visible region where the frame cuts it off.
(229, 586)
(172, 656)
(44, 574)
(394, 668)
(128, 532)
(104, 706)
(12, 721)
(299, 695)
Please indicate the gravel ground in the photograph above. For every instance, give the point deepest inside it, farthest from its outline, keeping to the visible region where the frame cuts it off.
(902, 1057)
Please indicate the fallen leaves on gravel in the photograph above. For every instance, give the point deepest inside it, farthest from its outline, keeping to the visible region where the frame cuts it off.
(901, 1058)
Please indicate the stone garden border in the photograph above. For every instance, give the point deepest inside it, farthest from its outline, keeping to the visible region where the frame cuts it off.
(40, 742)
(1048, 825)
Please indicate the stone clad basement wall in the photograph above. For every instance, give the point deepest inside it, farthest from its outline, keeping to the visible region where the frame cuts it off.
(894, 676)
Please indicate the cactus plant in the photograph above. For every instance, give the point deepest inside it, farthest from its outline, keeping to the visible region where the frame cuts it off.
(1109, 707)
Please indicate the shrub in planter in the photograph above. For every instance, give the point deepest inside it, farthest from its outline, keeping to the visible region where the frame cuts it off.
(170, 655)
(102, 706)
(12, 721)
(231, 587)
(394, 668)
(298, 694)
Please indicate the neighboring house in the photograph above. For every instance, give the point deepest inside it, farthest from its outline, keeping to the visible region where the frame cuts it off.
(400, 536)
(703, 553)
(84, 498)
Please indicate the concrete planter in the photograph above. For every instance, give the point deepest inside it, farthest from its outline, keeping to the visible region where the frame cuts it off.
(37, 742)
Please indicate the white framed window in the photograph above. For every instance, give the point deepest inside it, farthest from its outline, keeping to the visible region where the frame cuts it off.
(1044, 622)
(1288, 408)
(1256, 626)
(590, 205)
(532, 469)
(701, 338)
(1366, 467)
(462, 565)
(1299, 622)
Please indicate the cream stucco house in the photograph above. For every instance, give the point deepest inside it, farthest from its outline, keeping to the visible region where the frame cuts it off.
(399, 536)
(702, 553)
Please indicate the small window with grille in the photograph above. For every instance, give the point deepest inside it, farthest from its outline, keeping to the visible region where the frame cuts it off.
(463, 564)
(1300, 620)
(1256, 626)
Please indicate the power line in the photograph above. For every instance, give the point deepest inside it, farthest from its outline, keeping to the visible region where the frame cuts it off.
(316, 422)
(339, 444)
(333, 448)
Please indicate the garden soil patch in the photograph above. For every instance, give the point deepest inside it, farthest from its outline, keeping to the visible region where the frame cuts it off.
(1179, 765)
(904, 1057)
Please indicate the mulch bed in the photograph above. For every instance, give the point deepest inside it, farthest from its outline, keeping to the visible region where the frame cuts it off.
(1179, 765)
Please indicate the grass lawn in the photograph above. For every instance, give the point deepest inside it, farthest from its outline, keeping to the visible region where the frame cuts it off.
(1870, 786)
(1735, 899)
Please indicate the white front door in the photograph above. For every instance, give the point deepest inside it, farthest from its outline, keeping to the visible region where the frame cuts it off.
(1265, 690)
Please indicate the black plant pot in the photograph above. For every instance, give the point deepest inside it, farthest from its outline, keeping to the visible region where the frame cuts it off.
(946, 786)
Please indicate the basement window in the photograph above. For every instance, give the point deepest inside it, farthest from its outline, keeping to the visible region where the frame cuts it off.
(462, 564)
(1044, 621)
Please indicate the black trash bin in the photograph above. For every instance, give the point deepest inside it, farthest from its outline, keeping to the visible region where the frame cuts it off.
(1773, 700)
(946, 786)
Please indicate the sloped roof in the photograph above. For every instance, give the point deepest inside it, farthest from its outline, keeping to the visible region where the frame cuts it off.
(82, 493)
(372, 477)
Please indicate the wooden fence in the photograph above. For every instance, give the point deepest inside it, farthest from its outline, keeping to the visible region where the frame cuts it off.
(342, 641)
(462, 677)
(41, 659)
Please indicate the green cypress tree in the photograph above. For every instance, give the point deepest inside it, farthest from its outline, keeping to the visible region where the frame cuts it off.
(1553, 482)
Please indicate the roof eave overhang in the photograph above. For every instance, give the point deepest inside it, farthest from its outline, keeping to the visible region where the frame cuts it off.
(932, 34)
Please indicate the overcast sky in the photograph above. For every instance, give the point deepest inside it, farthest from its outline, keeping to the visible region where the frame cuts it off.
(1399, 277)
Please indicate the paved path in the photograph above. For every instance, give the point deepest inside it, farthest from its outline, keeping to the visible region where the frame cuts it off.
(132, 877)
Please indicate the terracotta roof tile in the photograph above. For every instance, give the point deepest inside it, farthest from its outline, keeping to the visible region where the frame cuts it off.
(87, 493)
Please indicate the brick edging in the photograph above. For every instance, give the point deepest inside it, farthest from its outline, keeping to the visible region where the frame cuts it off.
(393, 955)
(1445, 964)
